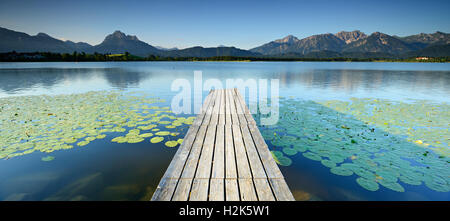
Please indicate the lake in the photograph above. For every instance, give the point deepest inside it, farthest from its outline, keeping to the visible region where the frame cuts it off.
(104, 131)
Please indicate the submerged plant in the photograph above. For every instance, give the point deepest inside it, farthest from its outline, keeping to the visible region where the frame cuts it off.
(47, 158)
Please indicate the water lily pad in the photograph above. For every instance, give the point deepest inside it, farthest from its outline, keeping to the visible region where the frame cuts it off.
(100, 136)
(119, 139)
(156, 139)
(312, 156)
(146, 135)
(137, 139)
(83, 143)
(171, 143)
(162, 133)
(289, 151)
(392, 185)
(341, 171)
(367, 184)
(300, 148)
(328, 163)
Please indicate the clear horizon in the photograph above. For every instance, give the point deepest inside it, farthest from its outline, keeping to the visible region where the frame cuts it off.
(245, 25)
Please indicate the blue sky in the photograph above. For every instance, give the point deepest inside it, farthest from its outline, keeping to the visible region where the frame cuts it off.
(209, 23)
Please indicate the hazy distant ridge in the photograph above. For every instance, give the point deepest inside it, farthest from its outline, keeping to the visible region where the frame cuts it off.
(341, 44)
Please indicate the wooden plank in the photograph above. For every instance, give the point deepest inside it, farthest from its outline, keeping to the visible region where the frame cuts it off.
(233, 112)
(231, 190)
(216, 108)
(199, 191)
(253, 156)
(263, 190)
(243, 168)
(230, 160)
(209, 110)
(269, 163)
(228, 119)
(239, 110)
(208, 101)
(222, 108)
(176, 166)
(247, 190)
(166, 187)
(183, 190)
(281, 190)
(206, 155)
(218, 170)
(244, 107)
(217, 190)
(192, 161)
(165, 190)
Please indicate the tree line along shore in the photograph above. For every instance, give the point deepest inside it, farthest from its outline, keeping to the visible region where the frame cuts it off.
(97, 57)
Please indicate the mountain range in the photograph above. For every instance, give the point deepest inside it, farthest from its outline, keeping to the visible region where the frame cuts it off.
(356, 44)
(342, 44)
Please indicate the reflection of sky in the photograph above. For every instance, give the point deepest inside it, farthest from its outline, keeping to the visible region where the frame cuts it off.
(308, 80)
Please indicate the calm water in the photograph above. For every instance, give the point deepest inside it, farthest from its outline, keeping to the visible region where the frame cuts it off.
(109, 171)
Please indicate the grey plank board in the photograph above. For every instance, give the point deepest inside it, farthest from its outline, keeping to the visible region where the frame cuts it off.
(192, 161)
(165, 190)
(231, 190)
(183, 190)
(245, 109)
(263, 190)
(206, 156)
(247, 190)
(218, 170)
(266, 157)
(233, 111)
(243, 167)
(281, 190)
(216, 190)
(222, 108)
(177, 164)
(216, 108)
(230, 159)
(252, 154)
(199, 191)
(239, 110)
(228, 120)
(208, 101)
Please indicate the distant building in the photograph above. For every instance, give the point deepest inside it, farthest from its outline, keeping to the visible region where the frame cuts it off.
(422, 58)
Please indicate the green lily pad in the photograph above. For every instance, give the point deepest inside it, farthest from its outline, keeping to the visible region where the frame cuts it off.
(367, 184)
(312, 156)
(146, 135)
(341, 171)
(171, 143)
(156, 139)
(289, 151)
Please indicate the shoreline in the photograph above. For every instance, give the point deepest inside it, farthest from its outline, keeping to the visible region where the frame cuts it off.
(83, 57)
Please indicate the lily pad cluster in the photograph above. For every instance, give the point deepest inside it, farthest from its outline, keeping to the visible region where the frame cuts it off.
(48, 123)
(423, 122)
(350, 143)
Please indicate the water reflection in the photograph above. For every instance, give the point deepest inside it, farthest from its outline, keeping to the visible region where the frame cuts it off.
(352, 80)
(318, 80)
(14, 81)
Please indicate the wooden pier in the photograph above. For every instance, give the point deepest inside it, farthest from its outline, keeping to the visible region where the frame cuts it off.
(223, 158)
